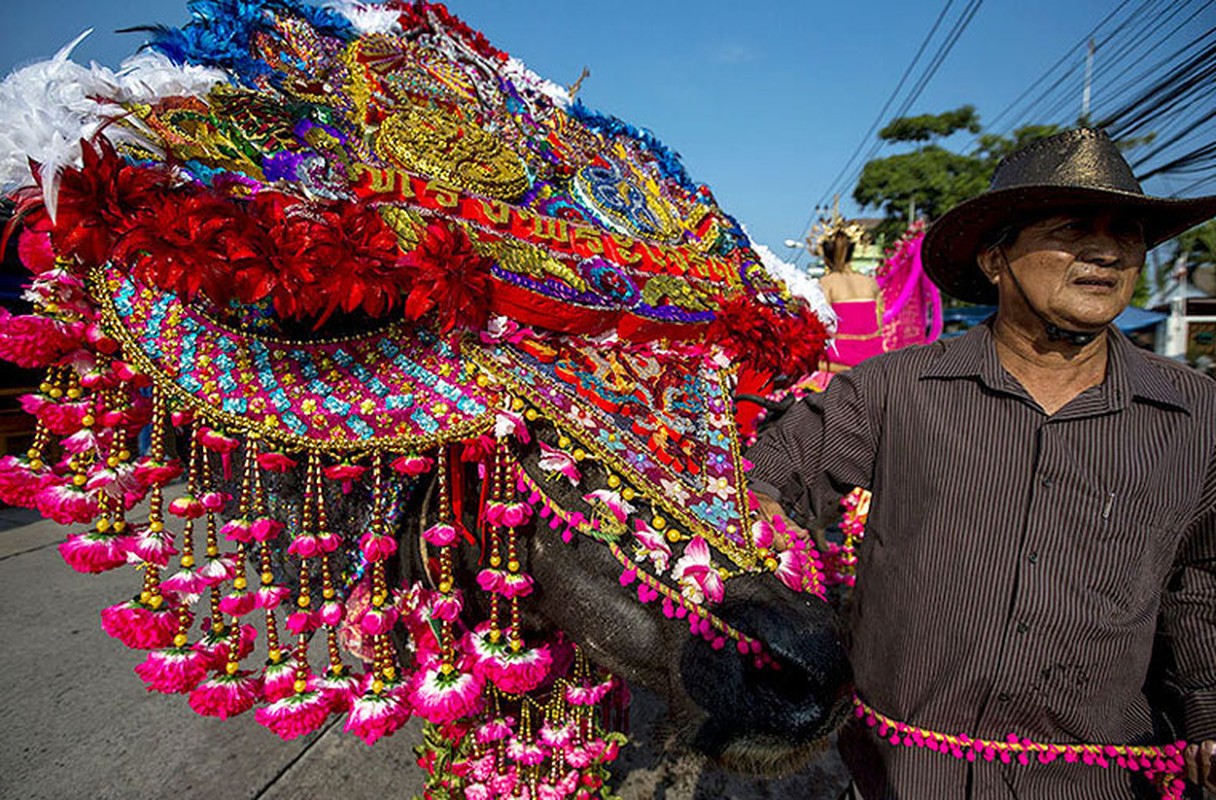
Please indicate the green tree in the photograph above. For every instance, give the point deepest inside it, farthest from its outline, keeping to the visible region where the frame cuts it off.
(931, 179)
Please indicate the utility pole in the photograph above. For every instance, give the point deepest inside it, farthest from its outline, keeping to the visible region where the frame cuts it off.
(1089, 75)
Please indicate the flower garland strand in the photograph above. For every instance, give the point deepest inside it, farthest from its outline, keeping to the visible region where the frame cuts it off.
(1161, 763)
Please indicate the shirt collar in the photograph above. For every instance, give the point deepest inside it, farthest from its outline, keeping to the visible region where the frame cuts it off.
(1130, 372)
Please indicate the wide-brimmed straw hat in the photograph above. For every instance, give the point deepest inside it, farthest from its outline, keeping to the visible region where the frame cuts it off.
(1075, 169)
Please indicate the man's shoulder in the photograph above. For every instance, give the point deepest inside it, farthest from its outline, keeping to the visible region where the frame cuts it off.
(909, 361)
(1197, 388)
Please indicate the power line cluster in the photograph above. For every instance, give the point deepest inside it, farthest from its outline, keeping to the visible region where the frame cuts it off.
(924, 70)
(1153, 78)
(1153, 83)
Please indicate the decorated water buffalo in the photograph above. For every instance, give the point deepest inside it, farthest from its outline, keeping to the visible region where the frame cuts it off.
(408, 383)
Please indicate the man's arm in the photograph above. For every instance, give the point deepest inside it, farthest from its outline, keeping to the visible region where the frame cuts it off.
(1188, 634)
(821, 448)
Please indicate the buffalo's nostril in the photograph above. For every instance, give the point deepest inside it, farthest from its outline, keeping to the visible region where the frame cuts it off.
(799, 693)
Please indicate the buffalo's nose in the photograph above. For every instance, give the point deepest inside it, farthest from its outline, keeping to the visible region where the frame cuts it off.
(801, 692)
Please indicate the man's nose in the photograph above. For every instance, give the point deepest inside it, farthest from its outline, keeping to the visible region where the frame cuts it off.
(1106, 247)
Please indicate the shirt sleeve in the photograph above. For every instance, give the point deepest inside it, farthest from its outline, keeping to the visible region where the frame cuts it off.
(1187, 627)
(821, 448)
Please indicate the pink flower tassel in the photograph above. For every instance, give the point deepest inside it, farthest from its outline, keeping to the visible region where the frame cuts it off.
(376, 715)
(340, 690)
(94, 552)
(295, 715)
(440, 696)
(153, 547)
(279, 679)
(225, 695)
(173, 670)
(66, 504)
(140, 627)
(20, 483)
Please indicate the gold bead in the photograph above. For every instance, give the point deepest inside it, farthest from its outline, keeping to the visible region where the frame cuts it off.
(328, 593)
(377, 686)
(103, 525)
(531, 414)
(156, 526)
(79, 480)
(300, 686)
(74, 393)
(579, 454)
(513, 566)
(112, 461)
(673, 535)
(87, 420)
(239, 583)
(445, 586)
(57, 393)
(156, 602)
(267, 578)
(771, 564)
(45, 387)
(495, 561)
(180, 640)
(482, 381)
(658, 523)
(613, 481)
(390, 672)
(124, 455)
(120, 525)
(36, 463)
(302, 601)
(187, 561)
(144, 597)
(516, 404)
(213, 551)
(231, 667)
(275, 654)
(628, 493)
(563, 442)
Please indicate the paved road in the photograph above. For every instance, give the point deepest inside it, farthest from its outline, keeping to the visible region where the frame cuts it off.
(75, 722)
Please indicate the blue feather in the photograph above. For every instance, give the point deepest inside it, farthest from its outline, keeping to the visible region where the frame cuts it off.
(221, 33)
(668, 161)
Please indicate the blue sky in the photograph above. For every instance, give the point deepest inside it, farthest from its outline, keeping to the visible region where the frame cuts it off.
(765, 101)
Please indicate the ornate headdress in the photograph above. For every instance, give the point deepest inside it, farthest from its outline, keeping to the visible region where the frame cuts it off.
(829, 227)
(344, 256)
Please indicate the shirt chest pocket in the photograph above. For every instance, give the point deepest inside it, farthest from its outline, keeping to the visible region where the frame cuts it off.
(1126, 559)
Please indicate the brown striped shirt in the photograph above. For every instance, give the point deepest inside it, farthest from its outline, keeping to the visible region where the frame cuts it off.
(1052, 577)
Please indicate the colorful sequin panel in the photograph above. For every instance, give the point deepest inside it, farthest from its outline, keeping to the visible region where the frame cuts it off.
(376, 391)
(660, 419)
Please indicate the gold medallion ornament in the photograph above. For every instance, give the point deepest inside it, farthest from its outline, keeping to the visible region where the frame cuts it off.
(437, 143)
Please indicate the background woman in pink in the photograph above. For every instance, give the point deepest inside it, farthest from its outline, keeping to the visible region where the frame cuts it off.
(854, 297)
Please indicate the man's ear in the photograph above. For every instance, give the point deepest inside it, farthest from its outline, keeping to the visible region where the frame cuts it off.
(989, 262)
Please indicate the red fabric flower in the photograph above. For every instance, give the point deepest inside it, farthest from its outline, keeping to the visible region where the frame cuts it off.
(782, 344)
(450, 278)
(340, 257)
(190, 241)
(99, 202)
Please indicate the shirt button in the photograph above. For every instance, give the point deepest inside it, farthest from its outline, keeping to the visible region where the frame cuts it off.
(1003, 697)
(1023, 627)
(1046, 481)
(1033, 558)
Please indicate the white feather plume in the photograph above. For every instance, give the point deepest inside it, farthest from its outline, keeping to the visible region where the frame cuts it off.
(367, 17)
(46, 109)
(524, 78)
(799, 283)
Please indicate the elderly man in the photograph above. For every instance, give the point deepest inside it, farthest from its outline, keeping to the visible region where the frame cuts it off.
(1040, 558)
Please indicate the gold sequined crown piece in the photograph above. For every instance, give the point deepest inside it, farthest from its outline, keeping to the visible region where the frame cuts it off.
(827, 227)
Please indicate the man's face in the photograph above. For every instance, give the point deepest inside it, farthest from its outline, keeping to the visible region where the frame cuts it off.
(1077, 268)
